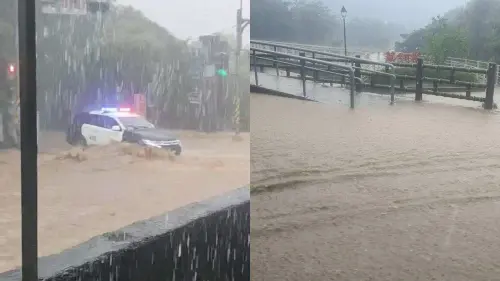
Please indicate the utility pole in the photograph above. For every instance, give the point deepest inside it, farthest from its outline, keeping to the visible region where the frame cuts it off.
(241, 24)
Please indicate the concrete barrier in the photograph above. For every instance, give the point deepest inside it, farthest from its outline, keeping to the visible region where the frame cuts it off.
(209, 240)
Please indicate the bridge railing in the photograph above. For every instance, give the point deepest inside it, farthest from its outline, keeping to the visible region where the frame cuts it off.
(319, 62)
(489, 74)
(468, 63)
(300, 63)
(330, 49)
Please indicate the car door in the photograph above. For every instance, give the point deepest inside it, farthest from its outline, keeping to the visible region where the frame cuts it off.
(111, 135)
(92, 131)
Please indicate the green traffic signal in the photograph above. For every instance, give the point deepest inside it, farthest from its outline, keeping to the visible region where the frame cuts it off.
(222, 72)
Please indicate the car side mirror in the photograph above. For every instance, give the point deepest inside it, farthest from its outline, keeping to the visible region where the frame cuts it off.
(116, 128)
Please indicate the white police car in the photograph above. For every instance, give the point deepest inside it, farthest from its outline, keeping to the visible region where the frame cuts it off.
(107, 125)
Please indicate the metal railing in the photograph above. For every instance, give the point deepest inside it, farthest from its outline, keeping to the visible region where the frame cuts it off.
(330, 60)
(300, 62)
(468, 63)
(322, 48)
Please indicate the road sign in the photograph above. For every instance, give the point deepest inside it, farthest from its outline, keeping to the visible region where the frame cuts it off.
(209, 71)
(74, 7)
(194, 97)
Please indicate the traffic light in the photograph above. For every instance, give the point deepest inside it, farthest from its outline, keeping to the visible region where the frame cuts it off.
(222, 72)
(11, 68)
(11, 71)
(222, 64)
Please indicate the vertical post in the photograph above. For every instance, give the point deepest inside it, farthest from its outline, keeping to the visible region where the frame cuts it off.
(357, 74)
(392, 81)
(315, 73)
(255, 68)
(275, 62)
(491, 77)
(333, 76)
(352, 89)
(29, 147)
(302, 72)
(345, 39)
(419, 79)
(468, 90)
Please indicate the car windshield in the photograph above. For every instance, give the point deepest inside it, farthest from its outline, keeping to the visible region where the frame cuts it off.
(135, 122)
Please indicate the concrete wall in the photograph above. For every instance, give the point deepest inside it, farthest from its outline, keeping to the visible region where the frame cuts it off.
(209, 240)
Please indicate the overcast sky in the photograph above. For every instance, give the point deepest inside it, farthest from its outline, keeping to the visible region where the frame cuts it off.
(192, 18)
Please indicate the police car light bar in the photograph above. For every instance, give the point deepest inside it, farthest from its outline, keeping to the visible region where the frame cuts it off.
(116, 109)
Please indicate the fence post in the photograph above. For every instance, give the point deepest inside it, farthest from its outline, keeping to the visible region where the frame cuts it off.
(357, 74)
(333, 76)
(419, 79)
(315, 72)
(255, 68)
(275, 62)
(302, 72)
(353, 85)
(491, 76)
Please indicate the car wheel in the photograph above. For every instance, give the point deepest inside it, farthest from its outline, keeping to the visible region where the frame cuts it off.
(82, 141)
(177, 152)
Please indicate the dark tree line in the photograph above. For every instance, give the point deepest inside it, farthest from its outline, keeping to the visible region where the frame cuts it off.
(312, 22)
(86, 59)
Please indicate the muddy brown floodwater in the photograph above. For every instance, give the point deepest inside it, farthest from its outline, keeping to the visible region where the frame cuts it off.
(113, 187)
(409, 192)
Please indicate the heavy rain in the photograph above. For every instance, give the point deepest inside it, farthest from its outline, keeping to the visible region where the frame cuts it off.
(97, 55)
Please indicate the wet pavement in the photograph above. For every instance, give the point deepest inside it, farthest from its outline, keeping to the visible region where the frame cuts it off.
(403, 192)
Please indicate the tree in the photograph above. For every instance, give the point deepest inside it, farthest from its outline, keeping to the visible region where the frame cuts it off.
(445, 41)
(85, 61)
(477, 24)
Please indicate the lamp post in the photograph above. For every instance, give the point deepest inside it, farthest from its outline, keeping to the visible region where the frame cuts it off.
(343, 13)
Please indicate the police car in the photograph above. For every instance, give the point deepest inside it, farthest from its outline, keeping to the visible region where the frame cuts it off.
(107, 125)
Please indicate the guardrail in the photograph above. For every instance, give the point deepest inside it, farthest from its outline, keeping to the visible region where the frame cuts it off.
(468, 63)
(283, 57)
(330, 49)
(491, 73)
(318, 62)
(209, 240)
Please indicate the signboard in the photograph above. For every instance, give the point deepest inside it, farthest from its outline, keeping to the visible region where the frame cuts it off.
(65, 7)
(402, 57)
(140, 104)
(194, 97)
(209, 71)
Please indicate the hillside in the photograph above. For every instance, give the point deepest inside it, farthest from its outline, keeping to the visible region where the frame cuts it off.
(478, 23)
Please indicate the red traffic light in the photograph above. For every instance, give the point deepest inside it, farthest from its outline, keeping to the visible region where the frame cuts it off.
(12, 68)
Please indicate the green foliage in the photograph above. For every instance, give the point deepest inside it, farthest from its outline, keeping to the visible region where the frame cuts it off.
(444, 42)
(472, 31)
(85, 60)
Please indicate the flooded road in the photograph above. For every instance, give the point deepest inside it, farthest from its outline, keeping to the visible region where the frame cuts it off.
(408, 192)
(84, 194)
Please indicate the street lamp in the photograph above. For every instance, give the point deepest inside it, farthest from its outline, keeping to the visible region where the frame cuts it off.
(343, 13)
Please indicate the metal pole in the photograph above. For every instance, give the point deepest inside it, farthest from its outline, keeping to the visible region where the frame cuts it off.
(352, 89)
(255, 68)
(29, 149)
(345, 39)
